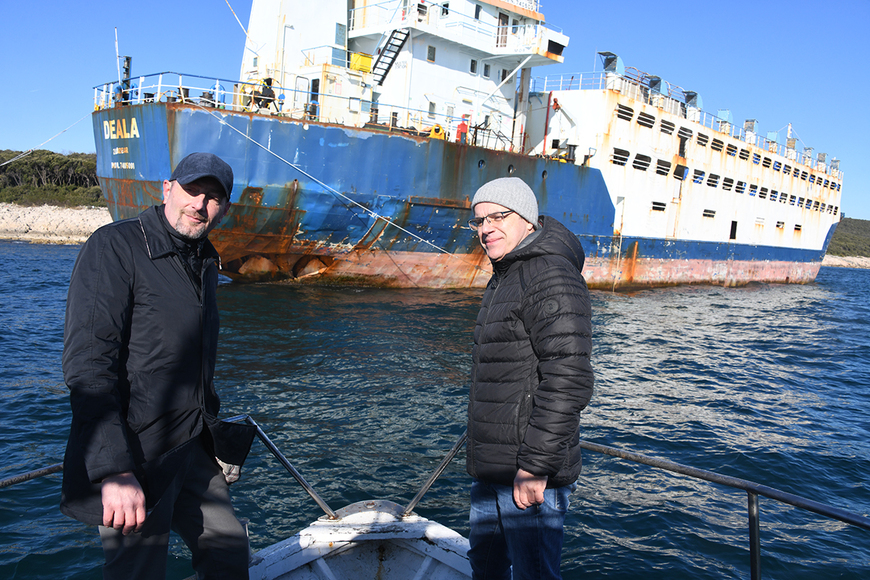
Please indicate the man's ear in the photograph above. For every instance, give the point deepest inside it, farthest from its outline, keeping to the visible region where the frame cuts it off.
(167, 185)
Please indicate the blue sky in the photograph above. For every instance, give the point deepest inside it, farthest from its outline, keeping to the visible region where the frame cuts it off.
(779, 62)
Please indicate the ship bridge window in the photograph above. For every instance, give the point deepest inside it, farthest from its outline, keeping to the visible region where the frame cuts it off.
(741, 187)
(727, 184)
(744, 154)
(713, 180)
(646, 120)
(659, 206)
(786, 169)
(445, 9)
(766, 163)
(486, 70)
(753, 190)
(624, 113)
(680, 172)
(777, 166)
(684, 133)
(709, 213)
(703, 140)
(667, 127)
(717, 145)
(642, 162)
(756, 158)
(731, 150)
(763, 193)
(663, 167)
(619, 157)
(473, 67)
(698, 177)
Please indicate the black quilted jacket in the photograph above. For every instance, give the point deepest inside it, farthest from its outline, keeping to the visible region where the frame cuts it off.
(531, 375)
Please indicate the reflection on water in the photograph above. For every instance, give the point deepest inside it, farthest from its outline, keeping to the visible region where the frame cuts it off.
(365, 391)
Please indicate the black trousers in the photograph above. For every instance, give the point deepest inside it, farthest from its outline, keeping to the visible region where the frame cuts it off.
(197, 507)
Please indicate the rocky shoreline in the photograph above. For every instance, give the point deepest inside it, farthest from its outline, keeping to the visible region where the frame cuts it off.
(59, 225)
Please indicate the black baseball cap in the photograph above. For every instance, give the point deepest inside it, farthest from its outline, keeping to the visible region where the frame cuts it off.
(198, 165)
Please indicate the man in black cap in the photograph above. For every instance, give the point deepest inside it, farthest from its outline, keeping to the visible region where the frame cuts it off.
(140, 345)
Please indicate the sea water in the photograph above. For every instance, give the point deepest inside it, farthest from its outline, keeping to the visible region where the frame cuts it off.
(365, 391)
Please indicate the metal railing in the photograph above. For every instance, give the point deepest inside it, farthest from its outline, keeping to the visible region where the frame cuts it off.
(753, 490)
(673, 99)
(440, 19)
(294, 103)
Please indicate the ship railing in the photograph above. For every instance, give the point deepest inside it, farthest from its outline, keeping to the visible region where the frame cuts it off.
(437, 18)
(635, 85)
(294, 103)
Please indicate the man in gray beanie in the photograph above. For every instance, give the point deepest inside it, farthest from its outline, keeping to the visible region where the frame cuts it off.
(531, 377)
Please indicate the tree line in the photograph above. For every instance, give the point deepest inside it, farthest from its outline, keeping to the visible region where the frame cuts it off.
(851, 238)
(45, 177)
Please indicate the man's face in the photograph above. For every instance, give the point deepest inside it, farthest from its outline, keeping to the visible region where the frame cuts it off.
(498, 240)
(193, 210)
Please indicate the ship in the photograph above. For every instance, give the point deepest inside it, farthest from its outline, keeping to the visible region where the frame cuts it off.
(359, 131)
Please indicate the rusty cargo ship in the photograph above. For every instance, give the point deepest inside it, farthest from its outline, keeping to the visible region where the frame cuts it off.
(359, 131)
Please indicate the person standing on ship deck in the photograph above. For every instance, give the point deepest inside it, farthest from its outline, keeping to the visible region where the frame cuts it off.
(531, 377)
(140, 345)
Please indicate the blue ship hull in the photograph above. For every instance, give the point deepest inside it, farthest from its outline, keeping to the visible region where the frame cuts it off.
(321, 202)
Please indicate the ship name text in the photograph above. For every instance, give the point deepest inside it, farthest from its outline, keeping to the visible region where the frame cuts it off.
(119, 129)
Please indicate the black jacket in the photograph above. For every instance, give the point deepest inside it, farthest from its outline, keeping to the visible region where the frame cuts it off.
(139, 356)
(531, 375)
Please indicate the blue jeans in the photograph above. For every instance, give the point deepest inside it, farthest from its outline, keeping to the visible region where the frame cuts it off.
(504, 537)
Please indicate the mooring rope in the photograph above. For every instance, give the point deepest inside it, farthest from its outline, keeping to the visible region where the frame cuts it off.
(335, 192)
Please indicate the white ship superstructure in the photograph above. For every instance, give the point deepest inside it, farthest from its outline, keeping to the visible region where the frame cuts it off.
(405, 64)
(675, 172)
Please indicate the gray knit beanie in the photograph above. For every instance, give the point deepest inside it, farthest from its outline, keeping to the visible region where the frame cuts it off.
(512, 193)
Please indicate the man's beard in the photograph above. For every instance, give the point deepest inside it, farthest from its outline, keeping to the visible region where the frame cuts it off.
(189, 232)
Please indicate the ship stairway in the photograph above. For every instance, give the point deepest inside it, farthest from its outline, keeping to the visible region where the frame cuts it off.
(388, 53)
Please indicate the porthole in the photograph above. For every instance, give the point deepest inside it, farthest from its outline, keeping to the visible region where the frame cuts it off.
(511, 169)
(481, 164)
(544, 174)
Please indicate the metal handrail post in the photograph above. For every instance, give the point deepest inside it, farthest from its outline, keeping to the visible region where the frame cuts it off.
(287, 465)
(436, 474)
(754, 537)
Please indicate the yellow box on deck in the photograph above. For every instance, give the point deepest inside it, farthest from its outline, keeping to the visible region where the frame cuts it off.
(361, 62)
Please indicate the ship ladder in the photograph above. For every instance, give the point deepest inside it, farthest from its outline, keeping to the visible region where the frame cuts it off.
(388, 53)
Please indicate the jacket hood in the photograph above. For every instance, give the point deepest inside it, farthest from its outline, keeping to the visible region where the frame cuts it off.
(551, 238)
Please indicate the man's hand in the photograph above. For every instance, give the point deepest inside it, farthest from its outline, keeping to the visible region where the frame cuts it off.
(123, 503)
(529, 489)
(232, 473)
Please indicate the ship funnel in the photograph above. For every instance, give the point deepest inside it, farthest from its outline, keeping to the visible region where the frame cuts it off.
(612, 63)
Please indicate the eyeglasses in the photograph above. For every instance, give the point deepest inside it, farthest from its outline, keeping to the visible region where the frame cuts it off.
(492, 219)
